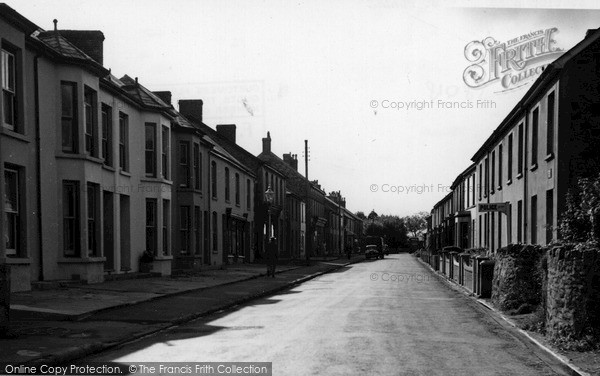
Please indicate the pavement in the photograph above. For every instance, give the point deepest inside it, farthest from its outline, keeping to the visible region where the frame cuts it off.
(59, 325)
(544, 349)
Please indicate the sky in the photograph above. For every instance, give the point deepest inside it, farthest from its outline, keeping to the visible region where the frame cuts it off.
(376, 87)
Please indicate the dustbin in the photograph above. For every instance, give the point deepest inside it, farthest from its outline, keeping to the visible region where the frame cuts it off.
(486, 273)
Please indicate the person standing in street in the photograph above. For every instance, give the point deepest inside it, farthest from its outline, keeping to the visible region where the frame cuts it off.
(271, 257)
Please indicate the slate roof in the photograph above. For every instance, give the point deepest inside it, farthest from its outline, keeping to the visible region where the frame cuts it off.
(296, 182)
(61, 45)
(244, 157)
(142, 95)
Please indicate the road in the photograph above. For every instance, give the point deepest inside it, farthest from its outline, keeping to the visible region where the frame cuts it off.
(380, 317)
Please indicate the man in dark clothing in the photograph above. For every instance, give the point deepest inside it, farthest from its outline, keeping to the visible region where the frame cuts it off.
(271, 257)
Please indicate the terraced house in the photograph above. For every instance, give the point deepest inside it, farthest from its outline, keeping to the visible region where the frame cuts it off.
(516, 189)
(101, 177)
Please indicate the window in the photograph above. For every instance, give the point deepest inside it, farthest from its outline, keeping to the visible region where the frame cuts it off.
(197, 233)
(12, 210)
(184, 229)
(9, 91)
(480, 229)
(509, 217)
(214, 231)
(534, 219)
(480, 181)
(493, 184)
(107, 134)
(227, 185)
(549, 215)
(123, 141)
(520, 150)
(248, 194)
(197, 173)
(69, 117)
(237, 189)
(150, 149)
(213, 177)
(520, 221)
(550, 125)
(93, 221)
(71, 218)
(165, 152)
(534, 137)
(499, 230)
(89, 99)
(500, 166)
(184, 164)
(165, 226)
(487, 177)
(510, 157)
(151, 239)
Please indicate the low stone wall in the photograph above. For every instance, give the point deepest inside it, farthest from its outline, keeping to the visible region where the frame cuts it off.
(518, 278)
(573, 292)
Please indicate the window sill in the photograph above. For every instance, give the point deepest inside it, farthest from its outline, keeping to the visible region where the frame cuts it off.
(124, 173)
(17, 260)
(163, 258)
(519, 175)
(156, 180)
(108, 168)
(509, 182)
(214, 198)
(16, 135)
(80, 260)
(85, 157)
(499, 188)
(533, 167)
(549, 157)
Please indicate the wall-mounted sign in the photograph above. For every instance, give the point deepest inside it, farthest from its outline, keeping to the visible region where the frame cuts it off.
(493, 207)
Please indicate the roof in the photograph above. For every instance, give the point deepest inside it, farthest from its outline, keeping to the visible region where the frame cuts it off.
(144, 96)
(244, 157)
(227, 156)
(544, 80)
(296, 182)
(17, 20)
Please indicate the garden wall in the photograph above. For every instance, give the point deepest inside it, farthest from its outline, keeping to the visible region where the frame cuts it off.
(573, 292)
(518, 278)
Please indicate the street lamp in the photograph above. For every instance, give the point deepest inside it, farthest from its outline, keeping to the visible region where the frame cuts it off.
(269, 198)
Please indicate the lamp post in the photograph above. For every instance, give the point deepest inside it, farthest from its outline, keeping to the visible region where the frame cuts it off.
(269, 197)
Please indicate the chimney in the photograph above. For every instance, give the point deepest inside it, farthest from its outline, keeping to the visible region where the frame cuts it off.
(191, 108)
(292, 160)
(88, 41)
(267, 143)
(590, 32)
(165, 96)
(227, 131)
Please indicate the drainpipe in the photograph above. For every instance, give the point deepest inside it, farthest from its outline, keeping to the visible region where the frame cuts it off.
(38, 167)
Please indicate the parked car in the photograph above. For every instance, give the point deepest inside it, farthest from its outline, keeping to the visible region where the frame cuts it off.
(371, 251)
(378, 242)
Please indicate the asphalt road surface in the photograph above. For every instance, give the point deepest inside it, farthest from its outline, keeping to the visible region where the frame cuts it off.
(380, 317)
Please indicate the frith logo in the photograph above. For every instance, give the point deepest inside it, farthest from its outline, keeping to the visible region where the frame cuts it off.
(513, 63)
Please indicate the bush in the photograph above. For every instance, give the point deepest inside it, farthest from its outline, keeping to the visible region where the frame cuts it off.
(581, 220)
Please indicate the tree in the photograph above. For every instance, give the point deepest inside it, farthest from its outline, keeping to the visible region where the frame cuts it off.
(390, 227)
(416, 224)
